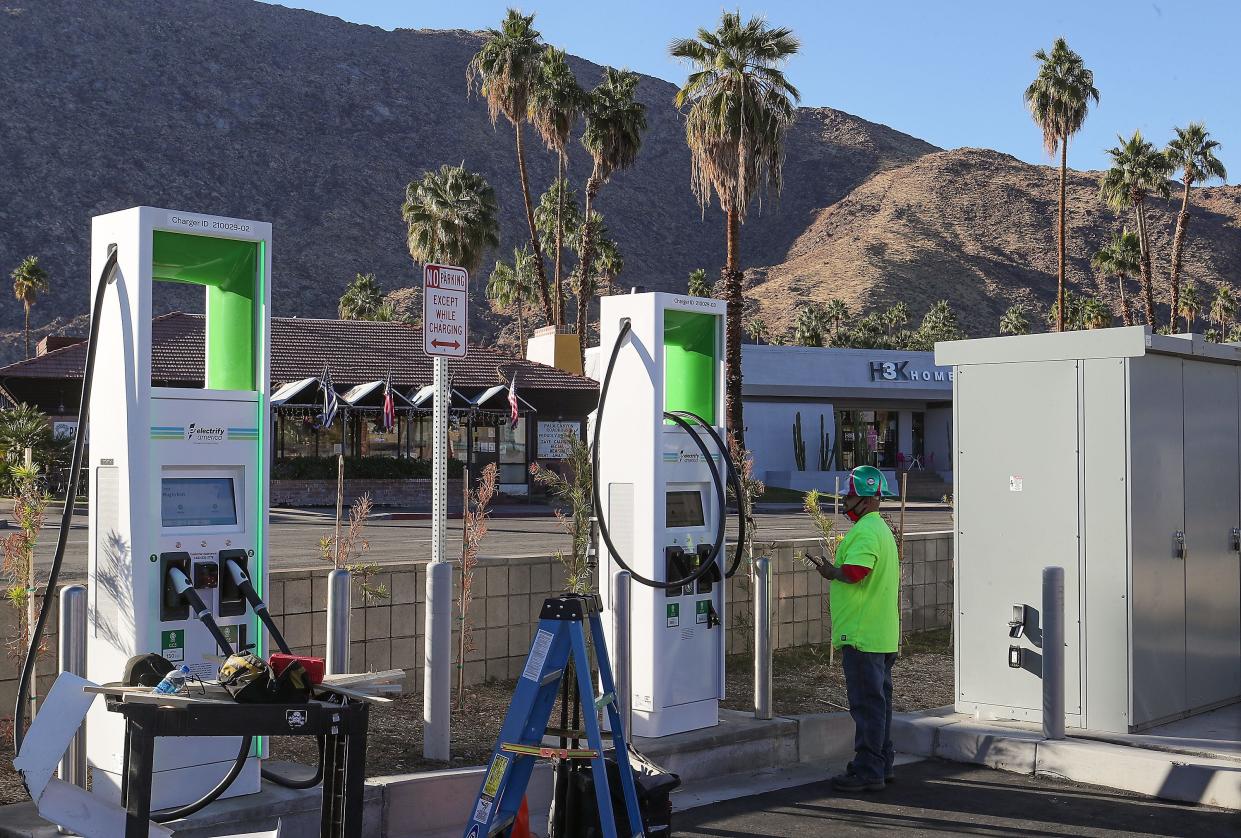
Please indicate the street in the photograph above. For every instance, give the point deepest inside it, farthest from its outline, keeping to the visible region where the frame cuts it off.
(295, 535)
(935, 798)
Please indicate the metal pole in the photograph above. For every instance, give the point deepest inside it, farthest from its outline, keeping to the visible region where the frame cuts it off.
(762, 638)
(1053, 653)
(73, 659)
(338, 605)
(437, 649)
(437, 664)
(620, 648)
(836, 500)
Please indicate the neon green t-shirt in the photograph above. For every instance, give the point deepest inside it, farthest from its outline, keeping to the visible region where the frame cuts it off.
(865, 615)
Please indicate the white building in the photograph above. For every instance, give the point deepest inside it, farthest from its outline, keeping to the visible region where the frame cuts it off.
(892, 409)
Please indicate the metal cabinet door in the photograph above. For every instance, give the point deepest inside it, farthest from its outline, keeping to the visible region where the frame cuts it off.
(1212, 564)
(1157, 577)
(1016, 484)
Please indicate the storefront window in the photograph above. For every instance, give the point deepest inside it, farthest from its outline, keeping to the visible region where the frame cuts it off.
(866, 437)
(919, 434)
(513, 453)
(329, 438)
(375, 441)
(420, 437)
(297, 436)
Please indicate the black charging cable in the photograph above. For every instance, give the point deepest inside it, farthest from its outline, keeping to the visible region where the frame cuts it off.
(243, 583)
(683, 420)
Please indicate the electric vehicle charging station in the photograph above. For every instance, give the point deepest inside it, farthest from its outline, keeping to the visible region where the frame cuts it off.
(662, 501)
(179, 478)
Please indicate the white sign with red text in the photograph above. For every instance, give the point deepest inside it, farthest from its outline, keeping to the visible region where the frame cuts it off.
(445, 310)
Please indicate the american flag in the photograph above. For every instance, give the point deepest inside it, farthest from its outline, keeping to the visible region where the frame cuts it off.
(330, 402)
(512, 401)
(389, 415)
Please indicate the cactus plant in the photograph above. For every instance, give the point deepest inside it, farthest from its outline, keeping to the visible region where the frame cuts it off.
(825, 446)
(799, 444)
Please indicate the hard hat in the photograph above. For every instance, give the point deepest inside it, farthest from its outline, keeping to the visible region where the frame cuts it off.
(868, 482)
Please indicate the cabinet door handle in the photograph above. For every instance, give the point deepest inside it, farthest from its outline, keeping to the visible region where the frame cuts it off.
(1236, 539)
(1179, 538)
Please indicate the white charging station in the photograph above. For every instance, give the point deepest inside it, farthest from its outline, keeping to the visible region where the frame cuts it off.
(178, 477)
(661, 503)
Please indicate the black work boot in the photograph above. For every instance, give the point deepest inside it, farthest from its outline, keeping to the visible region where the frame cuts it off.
(851, 782)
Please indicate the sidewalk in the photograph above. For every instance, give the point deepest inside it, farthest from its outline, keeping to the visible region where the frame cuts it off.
(1194, 760)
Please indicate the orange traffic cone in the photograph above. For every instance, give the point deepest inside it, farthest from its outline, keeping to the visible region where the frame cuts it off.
(521, 824)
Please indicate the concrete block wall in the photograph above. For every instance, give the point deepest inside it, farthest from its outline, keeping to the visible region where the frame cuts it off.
(411, 492)
(508, 593)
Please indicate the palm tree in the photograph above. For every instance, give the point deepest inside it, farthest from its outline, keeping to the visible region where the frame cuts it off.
(606, 263)
(740, 108)
(895, 317)
(556, 101)
(1137, 171)
(756, 328)
(698, 285)
(810, 326)
(836, 312)
(1121, 258)
(1223, 307)
(1193, 153)
(1191, 304)
(615, 121)
(29, 281)
(451, 217)
(1094, 314)
(513, 287)
(1014, 321)
(503, 71)
(363, 300)
(1059, 99)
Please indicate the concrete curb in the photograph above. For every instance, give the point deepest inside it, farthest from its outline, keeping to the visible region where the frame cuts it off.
(713, 763)
(1182, 777)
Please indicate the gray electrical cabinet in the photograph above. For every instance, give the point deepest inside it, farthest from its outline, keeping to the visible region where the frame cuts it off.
(1115, 454)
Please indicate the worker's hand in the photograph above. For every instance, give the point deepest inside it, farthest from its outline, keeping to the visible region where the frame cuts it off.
(827, 570)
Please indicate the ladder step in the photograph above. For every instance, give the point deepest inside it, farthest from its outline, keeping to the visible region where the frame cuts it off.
(604, 700)
(543, 752)
(569, 733)
(551, 676)
(501, 825)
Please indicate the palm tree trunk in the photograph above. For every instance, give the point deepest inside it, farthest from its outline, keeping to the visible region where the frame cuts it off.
(560, 184)
(26, 327)
(521, 330)
(1064, 163)
(534, 233)
(732, 340)
(1144, 262)
(1178, 243)
(586, 266)
(1124, 303)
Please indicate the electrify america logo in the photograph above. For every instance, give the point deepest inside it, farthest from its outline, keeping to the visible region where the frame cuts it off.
(202, 434)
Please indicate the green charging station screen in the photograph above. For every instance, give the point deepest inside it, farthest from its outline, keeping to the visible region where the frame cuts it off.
(689, 362)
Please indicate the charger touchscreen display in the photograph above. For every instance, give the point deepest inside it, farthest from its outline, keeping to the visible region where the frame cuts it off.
(684, 509)
(199, 502)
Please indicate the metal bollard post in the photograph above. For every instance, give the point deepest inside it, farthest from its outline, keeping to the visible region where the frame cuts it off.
(338, 604)
(437, 663)
(1053, 653)
(620, 648)
(73, 659)
(762, 638)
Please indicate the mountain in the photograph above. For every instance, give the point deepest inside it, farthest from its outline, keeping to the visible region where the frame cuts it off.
(977, 228)
(239, 108)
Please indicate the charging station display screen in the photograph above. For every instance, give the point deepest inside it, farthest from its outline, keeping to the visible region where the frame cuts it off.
(684, 509)
(198, 502)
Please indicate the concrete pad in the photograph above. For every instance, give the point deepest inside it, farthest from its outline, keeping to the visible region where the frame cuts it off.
(915, 733)
(981, 744)
(437, 804)
(824, 736)
(1213, 782)
(739, 743)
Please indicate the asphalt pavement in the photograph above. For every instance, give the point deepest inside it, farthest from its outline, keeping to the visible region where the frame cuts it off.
(939, 798)
(400, 537)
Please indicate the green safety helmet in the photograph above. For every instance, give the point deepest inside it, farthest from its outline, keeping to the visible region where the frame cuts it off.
(868, 482)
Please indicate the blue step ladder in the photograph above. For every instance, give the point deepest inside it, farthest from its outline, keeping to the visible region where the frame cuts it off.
(561, 637)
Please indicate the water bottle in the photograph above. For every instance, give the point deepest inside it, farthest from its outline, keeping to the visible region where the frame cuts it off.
(174, 682)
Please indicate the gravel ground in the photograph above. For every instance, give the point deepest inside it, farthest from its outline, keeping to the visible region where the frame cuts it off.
(803, 682)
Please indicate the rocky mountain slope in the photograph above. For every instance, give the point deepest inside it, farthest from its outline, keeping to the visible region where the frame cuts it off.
(239, 108)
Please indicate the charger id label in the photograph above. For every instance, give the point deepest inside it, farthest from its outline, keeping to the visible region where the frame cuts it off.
(172, 645)
(674, 614)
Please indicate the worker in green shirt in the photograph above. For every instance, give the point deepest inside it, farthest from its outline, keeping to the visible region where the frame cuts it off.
(865, 627)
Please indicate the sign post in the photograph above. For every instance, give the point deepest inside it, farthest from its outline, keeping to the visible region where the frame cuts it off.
(445, 334)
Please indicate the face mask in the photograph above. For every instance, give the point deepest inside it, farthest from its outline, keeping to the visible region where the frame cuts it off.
(852, 514)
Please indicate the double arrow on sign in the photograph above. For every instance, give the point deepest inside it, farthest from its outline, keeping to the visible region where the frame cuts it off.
(454, 344)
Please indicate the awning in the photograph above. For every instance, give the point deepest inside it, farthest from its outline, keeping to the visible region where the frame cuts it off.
(289, 392)
(425, 397)
(491, 392)
(370, 394)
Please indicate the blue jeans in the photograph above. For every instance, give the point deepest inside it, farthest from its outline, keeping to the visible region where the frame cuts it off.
(868, 682)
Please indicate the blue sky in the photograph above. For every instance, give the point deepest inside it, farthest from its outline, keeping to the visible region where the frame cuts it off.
(951, 73)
